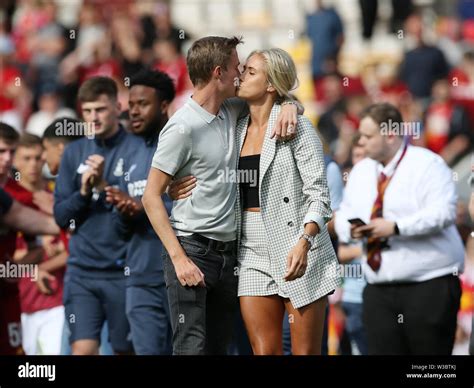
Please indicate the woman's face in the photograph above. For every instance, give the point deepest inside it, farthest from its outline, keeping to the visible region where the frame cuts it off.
(253, 81)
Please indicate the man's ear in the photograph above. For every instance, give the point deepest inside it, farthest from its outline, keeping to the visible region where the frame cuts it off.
(164, 107)
(119, 107)
(217, 72)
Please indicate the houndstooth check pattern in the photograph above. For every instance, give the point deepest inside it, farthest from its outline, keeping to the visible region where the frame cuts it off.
(254, 260)
(293, 183)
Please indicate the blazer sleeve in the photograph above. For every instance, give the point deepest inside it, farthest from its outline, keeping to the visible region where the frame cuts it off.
(309, 157)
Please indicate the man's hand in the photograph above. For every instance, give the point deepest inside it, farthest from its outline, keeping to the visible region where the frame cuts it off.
(96, 163)
(285, 127)
(44, 281)
(44, 200)
(122, 201)
(378, 228)
(87, 181)
(181, 188)
(93, 176)
(188, 273)
(297, 261)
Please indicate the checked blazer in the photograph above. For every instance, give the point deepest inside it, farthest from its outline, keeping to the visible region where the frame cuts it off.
(292, 183)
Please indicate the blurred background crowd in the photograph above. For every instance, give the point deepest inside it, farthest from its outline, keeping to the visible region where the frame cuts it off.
(415, 54)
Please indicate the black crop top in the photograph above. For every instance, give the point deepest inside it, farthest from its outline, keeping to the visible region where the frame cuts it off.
(248, 174)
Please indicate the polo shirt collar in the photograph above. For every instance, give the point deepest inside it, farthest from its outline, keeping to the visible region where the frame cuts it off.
(204, 114)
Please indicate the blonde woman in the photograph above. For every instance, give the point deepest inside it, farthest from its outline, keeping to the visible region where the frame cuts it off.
(286, 259)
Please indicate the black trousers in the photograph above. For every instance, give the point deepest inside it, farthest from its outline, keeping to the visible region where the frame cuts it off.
(412, 318)
(401, 10)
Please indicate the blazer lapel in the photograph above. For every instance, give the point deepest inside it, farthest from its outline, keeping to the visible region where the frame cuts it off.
(269, 145)
(240, 133)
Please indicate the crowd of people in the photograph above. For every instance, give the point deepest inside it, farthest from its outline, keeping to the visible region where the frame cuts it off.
(179, 202)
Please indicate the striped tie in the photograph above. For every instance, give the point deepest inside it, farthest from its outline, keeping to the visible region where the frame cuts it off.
(374, 245)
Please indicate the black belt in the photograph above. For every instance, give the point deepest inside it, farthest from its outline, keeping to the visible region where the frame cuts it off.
(219, 246)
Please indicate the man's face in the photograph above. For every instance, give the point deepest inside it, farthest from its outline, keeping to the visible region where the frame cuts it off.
(145, 109)
(375, 145)
(7, 152)
(230, 77)
(29, 163)
(103, 113)
(52, 153)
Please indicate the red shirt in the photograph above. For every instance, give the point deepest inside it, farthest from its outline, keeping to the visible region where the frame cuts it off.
(8, 76)
(437, 126)
(462, 92)
(177, 71)
(31, 299)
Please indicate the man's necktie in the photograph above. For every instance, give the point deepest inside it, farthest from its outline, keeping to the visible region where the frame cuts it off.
(375, 245)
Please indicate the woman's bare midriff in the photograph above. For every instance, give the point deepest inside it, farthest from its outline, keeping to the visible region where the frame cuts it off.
(252, 209)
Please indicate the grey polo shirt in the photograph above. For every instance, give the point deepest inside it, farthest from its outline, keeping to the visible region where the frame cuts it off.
(196, 142)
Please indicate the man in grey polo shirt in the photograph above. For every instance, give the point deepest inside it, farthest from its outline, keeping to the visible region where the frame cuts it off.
(200, 258)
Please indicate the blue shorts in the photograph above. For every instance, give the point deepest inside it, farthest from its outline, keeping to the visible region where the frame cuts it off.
(149, 317)
(89, 302)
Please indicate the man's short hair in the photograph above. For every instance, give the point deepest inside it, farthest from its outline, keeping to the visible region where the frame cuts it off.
(157, 80)
(206, 54)
(94, 87)
(8, 133)
(383, 113)
(29, 140)
(53, 131)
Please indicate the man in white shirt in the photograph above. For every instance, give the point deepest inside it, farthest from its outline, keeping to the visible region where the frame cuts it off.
(413, 252)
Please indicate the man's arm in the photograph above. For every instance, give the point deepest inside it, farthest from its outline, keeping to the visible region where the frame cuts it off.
(56, 262)
(69, 204)
(29, 221)
(186, 271)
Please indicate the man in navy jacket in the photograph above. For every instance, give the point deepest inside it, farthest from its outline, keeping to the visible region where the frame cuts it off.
(95, 282)
(147, 308)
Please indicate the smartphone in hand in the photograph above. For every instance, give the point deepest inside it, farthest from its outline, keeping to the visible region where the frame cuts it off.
(356, 222)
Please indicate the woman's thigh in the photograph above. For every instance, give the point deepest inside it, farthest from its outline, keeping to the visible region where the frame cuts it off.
(306, 326)
(263, 317)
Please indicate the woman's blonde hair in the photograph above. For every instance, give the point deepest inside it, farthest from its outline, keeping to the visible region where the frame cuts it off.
(281, 70)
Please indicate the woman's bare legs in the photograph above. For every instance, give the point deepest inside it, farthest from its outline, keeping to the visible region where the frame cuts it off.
(263, 318)
(306, 327)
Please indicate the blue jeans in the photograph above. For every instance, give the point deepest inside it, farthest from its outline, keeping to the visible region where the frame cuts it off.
(202, 318)
(354, 325)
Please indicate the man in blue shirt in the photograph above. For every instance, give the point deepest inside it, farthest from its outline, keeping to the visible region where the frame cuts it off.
(325, 30)
(95, 282)
(147, 307)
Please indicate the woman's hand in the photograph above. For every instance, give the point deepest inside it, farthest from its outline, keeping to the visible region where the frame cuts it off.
(297, 261)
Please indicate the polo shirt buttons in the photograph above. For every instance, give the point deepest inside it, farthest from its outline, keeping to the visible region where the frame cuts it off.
(286, 200)
(290, 224)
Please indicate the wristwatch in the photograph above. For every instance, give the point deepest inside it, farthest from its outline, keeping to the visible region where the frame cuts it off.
(308, 238)
(396, 231)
